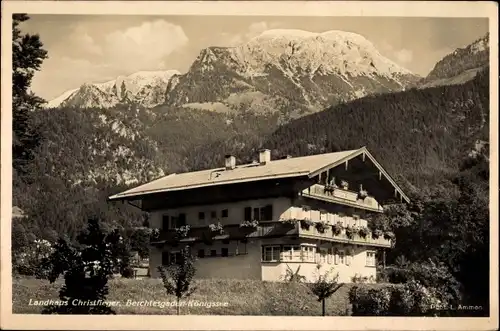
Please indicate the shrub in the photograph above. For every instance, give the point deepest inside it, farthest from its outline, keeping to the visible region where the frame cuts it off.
(216, 227)
(368, 301)
(177, 277)
(182, 231)
(320, 226)
(86, 269)
(32, 259)
(363, 232)
(128, 272)
(377, 233)
(324, 287)
(249, 224)
(357, 278)
(350, 232)
(389, 235)
(306, 224)
(337, 228)
(293, 276)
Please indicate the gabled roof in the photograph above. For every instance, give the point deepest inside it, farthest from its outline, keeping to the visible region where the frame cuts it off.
(284, 168)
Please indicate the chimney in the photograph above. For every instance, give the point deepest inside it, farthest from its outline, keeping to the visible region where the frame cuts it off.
(230, 162)
(264, 156)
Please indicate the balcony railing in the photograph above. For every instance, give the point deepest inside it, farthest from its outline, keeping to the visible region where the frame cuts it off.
(232, 231)
(313, 232)
(275, 229)
(342, 196)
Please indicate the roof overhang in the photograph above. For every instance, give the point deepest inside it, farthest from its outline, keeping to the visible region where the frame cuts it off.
(138, 195)
(365, 154)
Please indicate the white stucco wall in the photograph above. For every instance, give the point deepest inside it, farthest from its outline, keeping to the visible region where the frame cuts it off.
(272, 271)
(245, 265)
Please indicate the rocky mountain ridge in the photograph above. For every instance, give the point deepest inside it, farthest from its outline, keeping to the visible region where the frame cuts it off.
(461, 65)
(144, 88)
(293, 72)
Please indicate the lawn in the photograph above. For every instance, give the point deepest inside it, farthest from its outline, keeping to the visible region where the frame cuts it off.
(242, 297)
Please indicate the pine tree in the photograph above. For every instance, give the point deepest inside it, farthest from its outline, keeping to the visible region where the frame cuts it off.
(27, 57)
(86, 268)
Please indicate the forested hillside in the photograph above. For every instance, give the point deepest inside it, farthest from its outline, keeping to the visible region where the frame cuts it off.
(85, 155)
(418, 135)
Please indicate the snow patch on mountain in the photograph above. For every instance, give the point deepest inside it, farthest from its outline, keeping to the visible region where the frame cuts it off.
(57, 101)
(346, 53)
(145, 88)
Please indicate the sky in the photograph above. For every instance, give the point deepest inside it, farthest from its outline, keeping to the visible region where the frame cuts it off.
(98, 48)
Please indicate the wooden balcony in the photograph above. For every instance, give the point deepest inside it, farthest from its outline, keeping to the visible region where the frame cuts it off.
(275, 229)
(328, 235)
(341, 196)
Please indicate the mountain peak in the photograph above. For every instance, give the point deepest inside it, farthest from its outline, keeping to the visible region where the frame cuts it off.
(146, 88)
(460, 65)
(331, 35)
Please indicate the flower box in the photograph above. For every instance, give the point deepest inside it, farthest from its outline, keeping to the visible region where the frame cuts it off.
(250, 224)
(216, 228)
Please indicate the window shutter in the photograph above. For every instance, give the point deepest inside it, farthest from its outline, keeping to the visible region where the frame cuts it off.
(330, 256)
(248, 213)
(181, 220)
(336, 258)
(165, 220)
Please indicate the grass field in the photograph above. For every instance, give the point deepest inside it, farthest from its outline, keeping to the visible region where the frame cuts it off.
(243, 297)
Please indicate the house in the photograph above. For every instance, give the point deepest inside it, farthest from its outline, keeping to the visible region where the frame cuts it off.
(258, 220)
(17, 212)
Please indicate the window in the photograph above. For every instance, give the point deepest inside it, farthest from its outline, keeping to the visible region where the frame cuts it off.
(259, 213)
(247, 213)
(348, 257)
(323, 252)
(330, 255)
(370, 259)
(224, 252)
(340, 257)
(175, 258)
(201, 253)
(164, 258)
(173, 222)
(181, 221)
(165, 224)
(308, 253)
(270, 253)
(290, 253)
(213, 214)
(201, 215)
(225, 213)
(213, 252)
(267, 213)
